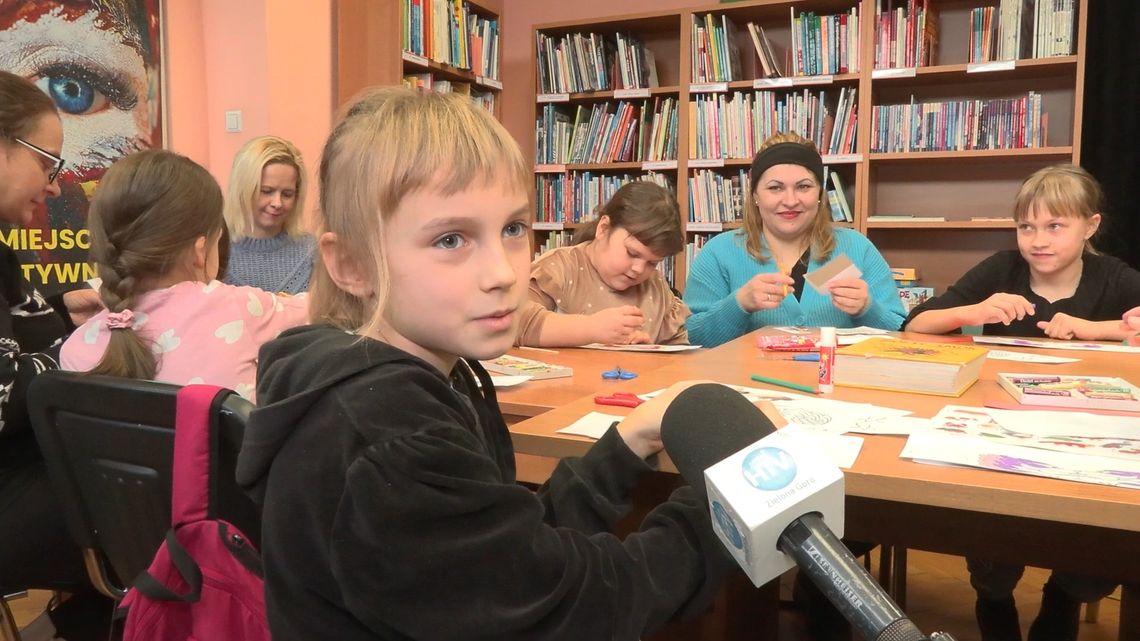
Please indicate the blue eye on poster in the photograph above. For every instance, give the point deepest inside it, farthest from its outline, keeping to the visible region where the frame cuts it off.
(100, 61)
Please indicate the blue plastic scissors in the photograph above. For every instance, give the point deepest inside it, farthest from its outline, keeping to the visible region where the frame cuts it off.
(618, 373)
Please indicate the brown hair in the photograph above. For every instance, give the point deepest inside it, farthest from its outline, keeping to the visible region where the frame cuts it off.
(148, 210)
(648, 212)
(22, 104)
(1063, 190)
(390, 143)
(821, 234)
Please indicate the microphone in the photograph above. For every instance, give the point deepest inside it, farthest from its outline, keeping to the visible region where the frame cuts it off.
(776, 502)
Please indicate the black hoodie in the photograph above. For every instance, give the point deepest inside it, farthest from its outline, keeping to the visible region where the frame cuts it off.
(391, 512)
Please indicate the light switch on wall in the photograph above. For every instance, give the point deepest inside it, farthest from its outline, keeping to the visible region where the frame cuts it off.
(233, 121)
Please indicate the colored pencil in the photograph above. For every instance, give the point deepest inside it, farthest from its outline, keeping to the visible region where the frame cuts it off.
(788, 384)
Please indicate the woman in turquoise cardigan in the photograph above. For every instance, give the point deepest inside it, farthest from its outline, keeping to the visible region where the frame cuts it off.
(754, 277)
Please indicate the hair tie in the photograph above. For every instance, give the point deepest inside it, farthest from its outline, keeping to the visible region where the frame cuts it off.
(120, 320)
(787, 153)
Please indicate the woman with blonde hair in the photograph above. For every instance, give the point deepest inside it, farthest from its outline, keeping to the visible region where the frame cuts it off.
(264, 204)
(754, 277)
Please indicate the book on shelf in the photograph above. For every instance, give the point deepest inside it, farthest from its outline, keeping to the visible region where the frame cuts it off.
(715, 54)
(1081, 392)
(912, 296)
(841, 196)
(945, 369)
(824, 45)
(518, 366)
(905, 36)
(959, 125)
(770, 63)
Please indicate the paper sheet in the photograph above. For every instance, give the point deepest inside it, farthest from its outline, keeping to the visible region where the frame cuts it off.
(842, 450)
(978, 452)
(642, 348)
(1029, 342)
(1022, 357)
(593, 425)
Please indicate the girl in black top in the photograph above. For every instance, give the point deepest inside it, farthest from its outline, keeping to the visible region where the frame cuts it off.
(1055, 284)
(386, 476)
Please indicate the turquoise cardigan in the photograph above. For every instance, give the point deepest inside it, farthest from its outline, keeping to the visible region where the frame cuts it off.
(724, 266)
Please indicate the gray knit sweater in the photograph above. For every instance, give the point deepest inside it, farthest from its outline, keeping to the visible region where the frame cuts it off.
(278, 264)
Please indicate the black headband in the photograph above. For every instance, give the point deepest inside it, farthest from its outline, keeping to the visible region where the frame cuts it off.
(787, 153)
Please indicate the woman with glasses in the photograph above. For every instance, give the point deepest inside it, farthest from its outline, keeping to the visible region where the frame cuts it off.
(36, 550)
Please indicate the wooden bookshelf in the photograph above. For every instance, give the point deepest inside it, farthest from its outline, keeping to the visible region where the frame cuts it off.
(973, 189)
(368, 49)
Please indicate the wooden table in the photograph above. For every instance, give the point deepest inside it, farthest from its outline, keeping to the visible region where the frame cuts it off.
(1071, 526)
(537, 397)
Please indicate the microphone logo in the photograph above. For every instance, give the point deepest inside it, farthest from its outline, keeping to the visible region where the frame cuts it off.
(769, 469)
(727, 526)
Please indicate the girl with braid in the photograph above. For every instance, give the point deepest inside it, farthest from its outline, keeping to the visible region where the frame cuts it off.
(156, 222)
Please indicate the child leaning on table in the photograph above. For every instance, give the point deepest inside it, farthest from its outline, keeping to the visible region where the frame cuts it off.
(385, 474)
(1055, 284)
(606, 287)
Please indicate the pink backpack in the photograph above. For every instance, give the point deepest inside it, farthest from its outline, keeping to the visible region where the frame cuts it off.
(205, 581)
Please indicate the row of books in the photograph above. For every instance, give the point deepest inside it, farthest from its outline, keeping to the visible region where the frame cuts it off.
(715, 55)
(841, 208)
(577, 62)
(1018, 29)
(717, 198)
(575, 198)
(824, 44)
(608, 132)
(693, 248)
(957, 125)
(448, 32)
(734, 125)
(553, 240)
(905, 36)
(428, 82)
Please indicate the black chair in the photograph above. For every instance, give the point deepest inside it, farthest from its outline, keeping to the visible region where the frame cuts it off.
(109, 445)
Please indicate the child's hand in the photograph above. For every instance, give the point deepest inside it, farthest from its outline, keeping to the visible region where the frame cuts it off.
(82, 304)
(850, 295)
(999, 308)
(1131, 320)
(640, 338)
(764, 291)
(1068, 327)
(617, 325)
(641, 429)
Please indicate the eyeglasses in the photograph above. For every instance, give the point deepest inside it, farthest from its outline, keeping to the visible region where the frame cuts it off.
(57, 162)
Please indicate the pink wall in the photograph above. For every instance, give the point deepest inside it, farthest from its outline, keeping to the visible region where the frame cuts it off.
(519, 18)
(271, 59)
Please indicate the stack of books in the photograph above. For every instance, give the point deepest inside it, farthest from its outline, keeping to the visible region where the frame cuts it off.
(910, 293)
(945, 369)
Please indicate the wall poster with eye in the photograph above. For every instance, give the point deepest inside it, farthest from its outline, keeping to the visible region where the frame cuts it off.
(101, 63)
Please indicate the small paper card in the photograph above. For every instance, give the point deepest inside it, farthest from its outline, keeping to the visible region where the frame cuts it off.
(592, 425)
(839, 267)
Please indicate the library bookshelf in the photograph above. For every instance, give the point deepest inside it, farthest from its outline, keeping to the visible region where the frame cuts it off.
(961, 196)
(370, 49)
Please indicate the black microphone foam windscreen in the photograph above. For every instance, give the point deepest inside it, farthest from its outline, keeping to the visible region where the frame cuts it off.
(706, 424)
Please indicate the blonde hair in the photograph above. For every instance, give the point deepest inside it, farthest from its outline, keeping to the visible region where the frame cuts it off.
(821, 234)
(1063, 190)
(390, 143)
(245, 183)
(148, 210)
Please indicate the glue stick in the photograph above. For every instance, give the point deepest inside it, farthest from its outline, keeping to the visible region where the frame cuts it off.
(826, 359)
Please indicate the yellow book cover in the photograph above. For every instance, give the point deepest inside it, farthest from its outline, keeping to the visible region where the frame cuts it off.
(890, 348)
